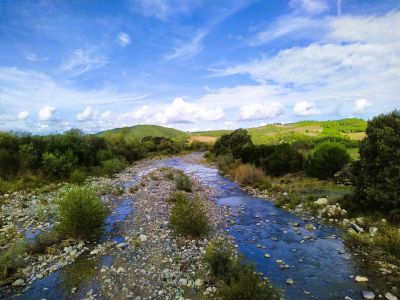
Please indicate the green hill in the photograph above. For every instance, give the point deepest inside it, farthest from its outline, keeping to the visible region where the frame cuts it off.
(352, 128)
(140, 131)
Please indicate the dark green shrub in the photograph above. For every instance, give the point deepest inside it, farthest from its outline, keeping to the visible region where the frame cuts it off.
(247, 284)
(232, 143)
(377, 175)
(177, 196)
(81, 214)
(239, 280)
(77, 177)
(43, 241)
(183, 183)
(225, 163)
(283, 159)
(58, 165)
(220, 257)
(27, 157)
(12, 258)
(189, 218)
(327, 159)
(111, 166)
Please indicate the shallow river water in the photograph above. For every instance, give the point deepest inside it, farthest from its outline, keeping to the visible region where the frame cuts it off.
(310, 258)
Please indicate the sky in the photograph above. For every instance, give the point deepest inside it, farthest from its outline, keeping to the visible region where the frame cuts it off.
(195, 64)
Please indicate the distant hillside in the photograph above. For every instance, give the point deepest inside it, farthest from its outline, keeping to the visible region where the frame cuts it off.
(351, 127)
(140, 131)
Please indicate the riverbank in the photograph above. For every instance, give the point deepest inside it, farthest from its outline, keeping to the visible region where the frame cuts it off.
(372, 241)
(138, 254)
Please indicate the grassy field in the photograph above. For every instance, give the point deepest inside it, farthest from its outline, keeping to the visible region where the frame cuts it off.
(275, 133)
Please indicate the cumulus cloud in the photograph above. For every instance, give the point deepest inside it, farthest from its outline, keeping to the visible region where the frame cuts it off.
(305, 108)
(261, 111)
(23, 115)
(86, 114)
(361, 105)
(46, 113)
(123, 39)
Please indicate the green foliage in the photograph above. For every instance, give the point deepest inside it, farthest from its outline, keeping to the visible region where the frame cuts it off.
(232, 143)
(27, 157)
(81, 214)
(389, 241)
(12, 259)
(377, 175)
(183, 183)
(225, 163)
(58, 165)
(43, 241)
(111, 166)
(77, 177)
(327, 159)
(220, 257)
(189, 218)
(177, 197)
(239, 280)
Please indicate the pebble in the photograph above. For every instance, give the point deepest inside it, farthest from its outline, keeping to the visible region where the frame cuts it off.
(143, 238)
(290, 281)
(368, 295)
(18, 282)
(390, 296)
(266, 255)
(360, 279)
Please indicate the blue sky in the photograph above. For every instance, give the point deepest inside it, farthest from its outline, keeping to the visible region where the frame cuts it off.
(195, 65)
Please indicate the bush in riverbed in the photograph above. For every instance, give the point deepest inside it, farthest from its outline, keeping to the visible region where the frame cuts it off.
(43, 241)
(111, 166)
(183, 183)
(389, 240)
(189, 217)
(77, 177)
(176, 197)
(246, 174)
(239, 280)
(81, 214)
(225, 163)
(12, 259)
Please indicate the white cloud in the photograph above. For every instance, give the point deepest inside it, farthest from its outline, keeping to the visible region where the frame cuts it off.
(261, 111)
(165, 9)
(23, 115)
(189, 49)
(123, 39)
(309, 6)
(46, 113)
(83, 61)
(305, 108)
(34, 57)
(361, 105)
(86, 114)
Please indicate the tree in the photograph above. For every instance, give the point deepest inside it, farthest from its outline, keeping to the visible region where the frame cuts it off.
(377, 173)
(327, 159)
(232, 143)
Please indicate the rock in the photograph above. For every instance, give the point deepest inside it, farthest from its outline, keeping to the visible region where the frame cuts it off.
(310, 227)
(342, 251)
(390, 296)
(199, 282)
(120, 270)
(360, 220)
(357, 228)
(18, 282)
(321, 202)
(361, 279)
(373, 230)
(368, 295)
(289, 281)
(347, 298)
(183, 281)
(266, 255)
(143, 238)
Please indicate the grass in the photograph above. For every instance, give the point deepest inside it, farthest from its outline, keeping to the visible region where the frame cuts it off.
(183, 183)
(12, 259)
(77, 177)
(43, 241)
(237, 280)
(246, 174)
(189, 217)
(81, 214)
(140, 131)
(27, 181)
(111, 166)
